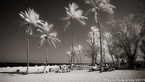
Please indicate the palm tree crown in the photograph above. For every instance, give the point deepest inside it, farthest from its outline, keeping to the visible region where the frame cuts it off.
(104, 5)
(78, 49)
(30, 17)
(74, 13)
(94, 37)
(75, 50)
(47, 35)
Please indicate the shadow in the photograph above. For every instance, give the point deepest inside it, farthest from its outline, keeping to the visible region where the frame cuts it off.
(141, 69)
(21, 73)
(131, 68)
(11, 73)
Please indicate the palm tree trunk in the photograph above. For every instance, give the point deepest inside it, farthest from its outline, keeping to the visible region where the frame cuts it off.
(98, 24)
(77, 59)
(93, 58)
(73, 41)
(69, 60)
(104, 58)
(80, 59)
(27, 50)
(72, 55)
(111, 53)
(96, 57)
(46, 57)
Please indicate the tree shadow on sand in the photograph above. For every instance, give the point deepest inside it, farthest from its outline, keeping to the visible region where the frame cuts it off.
(20, 73)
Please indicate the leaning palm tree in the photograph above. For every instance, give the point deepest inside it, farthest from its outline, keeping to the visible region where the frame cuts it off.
(98, 5)
(47, 36)
(73, 13)
(31, 18)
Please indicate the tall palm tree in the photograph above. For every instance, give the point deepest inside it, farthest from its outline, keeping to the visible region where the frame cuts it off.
(98, 5)
(73, 13)
(47, 36)
(31, 18)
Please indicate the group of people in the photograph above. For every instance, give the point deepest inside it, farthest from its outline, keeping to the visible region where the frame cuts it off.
(60, 69)
(106, 67)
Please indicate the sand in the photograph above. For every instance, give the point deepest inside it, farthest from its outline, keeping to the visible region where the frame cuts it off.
(8, 75)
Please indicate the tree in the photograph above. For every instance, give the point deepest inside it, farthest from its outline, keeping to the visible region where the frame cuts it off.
(77, 51)
(68, 54)
(31, 18)
(93, 44)
(47, 36)
(109, 45)
(74, 52)
(98, 5)
(129, 34)
(73, 13)
(80, 48)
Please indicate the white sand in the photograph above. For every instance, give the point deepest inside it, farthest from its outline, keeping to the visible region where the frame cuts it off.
(73, 76)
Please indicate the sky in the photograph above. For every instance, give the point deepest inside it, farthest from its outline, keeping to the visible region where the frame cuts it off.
(13, 36)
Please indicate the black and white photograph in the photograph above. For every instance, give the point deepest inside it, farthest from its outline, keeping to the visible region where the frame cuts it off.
(72, 41)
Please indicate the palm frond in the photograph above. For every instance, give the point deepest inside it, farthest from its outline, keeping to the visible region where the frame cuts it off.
(39, 30)
(90, 2)
(30, 16)
(47, 34)
(65, 18)
(68, 53)
(23, 23)
(67, 24)
(106, 6)
(42, 42)
(81, 21)
(53, 43)
(30, 30)
(90, 10)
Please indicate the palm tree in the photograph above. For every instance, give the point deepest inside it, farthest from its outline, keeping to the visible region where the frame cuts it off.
(68, 54)
(73, 13)
(98, 5)
(47, 36)
(109, 40)
(80, 51)
(74, 52)
(31, 18)
(77, 50)
(93, 43)
(71, 53)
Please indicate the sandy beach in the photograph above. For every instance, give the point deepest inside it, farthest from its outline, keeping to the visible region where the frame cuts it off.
(9, 75)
